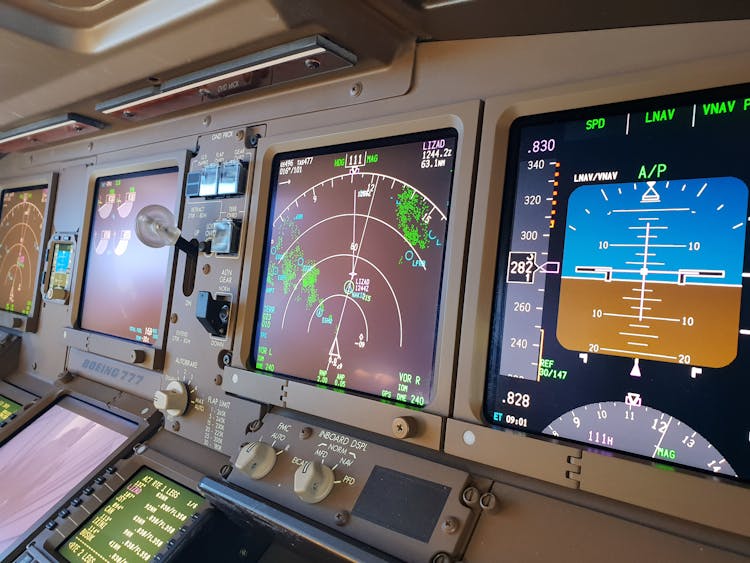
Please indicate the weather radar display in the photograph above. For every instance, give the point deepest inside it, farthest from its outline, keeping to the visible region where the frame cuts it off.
(353, 265)
(21, 226)
(621, 316)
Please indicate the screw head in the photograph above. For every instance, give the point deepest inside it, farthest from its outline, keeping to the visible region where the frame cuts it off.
(207, 120)
(305, 433)
(449, 525)
(342, 518)
(218, 380)
(175, 426)
(441, 557)
(403, 427)
(488, 502)
(173, 318)
(225, 471)
(312, 64)
(470, 496)
(240, 134)
(253, 426)
(206, 269)
(355, 90)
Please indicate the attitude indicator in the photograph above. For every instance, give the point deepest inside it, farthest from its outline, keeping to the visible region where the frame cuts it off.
(653, 270)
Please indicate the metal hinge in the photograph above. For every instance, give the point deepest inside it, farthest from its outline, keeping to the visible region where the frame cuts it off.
(573, 473)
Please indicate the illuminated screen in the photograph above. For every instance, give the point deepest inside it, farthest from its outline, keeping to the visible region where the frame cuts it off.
(124, 287)
(135, 523)
(353, 264)
(44, 461)
(21, 225)
(8, 408)
(621, 315)
(61, 266)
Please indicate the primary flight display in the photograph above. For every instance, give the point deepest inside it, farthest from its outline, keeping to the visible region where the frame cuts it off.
(353, 265)
(619, 320)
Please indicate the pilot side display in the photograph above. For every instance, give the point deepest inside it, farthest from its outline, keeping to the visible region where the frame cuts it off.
(353, 264)
(44, 461)
(21, 226)
(620, 317)
(124, 288)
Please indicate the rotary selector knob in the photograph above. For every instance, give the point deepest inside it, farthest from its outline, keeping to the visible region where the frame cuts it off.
(256, 460)
(173, 399)
(313, 481)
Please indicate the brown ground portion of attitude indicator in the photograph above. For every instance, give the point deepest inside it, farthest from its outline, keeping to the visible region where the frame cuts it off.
(663, 333)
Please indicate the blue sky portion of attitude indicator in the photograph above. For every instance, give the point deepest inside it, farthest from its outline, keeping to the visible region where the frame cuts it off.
(617, 230)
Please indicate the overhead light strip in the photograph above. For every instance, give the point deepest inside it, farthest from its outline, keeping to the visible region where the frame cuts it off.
(190, 86)
(32, 132)
(47, 131)
(302, 58)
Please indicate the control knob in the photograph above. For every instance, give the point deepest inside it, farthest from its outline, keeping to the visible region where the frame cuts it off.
(313, 481)
(256, 460)
(173, 399)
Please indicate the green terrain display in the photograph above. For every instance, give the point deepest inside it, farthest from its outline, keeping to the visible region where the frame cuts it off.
(135, 523)
(354, 264)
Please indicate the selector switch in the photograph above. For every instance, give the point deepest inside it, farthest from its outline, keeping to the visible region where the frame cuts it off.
(173, 399)
(213, 314)
(313, 481)
(256, 460)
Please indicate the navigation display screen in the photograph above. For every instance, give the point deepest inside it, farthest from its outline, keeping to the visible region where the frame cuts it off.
(8, 408)
(124, 287)
(135, 523)
(44, 461)
(353, 265)
(621, 316)
(21, 226)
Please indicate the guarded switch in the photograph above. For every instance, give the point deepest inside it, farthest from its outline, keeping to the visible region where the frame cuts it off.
(313, 481)
(173, 399)
(256, 460)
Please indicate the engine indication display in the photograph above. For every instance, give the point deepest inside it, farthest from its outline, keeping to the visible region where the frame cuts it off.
(21, 226)
(621, 317)
(124, 287)
(353, 265)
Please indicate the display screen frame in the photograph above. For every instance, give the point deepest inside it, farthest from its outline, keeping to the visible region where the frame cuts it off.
(563, 118)
(29, 322)
(117, 491)
(130, 425)
(150, 356)
(613, 475)
(391, 142)
(167, 283)
(49, 541)
(376, 414)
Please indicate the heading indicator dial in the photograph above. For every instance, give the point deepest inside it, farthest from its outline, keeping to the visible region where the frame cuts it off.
(641, 430)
